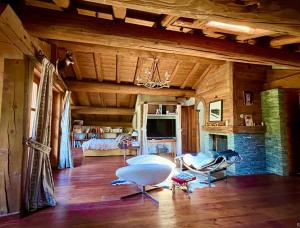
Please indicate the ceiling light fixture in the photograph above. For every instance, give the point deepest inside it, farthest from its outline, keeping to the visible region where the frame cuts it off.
(152, 78)
(230, 27)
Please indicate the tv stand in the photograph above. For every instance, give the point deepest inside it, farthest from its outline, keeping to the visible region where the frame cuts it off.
(155, 141)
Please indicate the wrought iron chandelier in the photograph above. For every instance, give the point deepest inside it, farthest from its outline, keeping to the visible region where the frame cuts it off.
(152, 78)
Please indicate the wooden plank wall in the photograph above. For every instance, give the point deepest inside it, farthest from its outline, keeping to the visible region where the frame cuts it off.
(247, 77)
(292, 126)
(1, 80)
(218, 86)
(11, 134)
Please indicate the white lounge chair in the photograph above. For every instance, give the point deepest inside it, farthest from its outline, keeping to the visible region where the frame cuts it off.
(207, 165)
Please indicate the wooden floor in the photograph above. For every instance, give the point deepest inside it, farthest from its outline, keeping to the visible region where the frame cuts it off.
(85, 198)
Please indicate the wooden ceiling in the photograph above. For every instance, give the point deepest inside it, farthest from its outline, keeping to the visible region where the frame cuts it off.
(114, 41)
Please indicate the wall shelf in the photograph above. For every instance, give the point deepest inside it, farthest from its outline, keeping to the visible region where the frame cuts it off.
(235, 129)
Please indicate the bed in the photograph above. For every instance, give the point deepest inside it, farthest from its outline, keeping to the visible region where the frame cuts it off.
(104, 147)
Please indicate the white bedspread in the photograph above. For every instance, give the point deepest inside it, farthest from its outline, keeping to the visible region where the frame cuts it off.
(100, 144)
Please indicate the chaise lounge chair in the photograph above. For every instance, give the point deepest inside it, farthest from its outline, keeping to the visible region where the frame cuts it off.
(207, 164)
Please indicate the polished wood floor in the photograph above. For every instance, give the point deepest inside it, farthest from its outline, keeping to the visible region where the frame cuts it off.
(86, 198)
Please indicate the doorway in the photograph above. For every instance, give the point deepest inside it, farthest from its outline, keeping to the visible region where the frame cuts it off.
(189, 129)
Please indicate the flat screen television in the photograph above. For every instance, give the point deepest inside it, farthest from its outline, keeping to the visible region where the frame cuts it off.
(161, 128)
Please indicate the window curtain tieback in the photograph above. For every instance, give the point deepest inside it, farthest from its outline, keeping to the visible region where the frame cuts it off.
(37, 146)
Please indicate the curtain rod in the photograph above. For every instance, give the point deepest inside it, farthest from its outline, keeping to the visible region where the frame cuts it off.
(40, 56)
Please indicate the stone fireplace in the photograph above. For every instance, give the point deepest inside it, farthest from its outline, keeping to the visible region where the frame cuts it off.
(218, 142)
(251, 147)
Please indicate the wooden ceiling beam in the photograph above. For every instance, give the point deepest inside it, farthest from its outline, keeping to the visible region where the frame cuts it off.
(90, 110)
(192, 72)
(119, 12)
(62, 3)
(46, 5)
(101, 87)
(284, 40)
(271, 15)
(83, 47)
(77, 28)
(168, 20)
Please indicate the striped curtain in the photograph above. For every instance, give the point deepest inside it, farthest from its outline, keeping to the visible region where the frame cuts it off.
(144, 130)
(39, 189)
(65, 155)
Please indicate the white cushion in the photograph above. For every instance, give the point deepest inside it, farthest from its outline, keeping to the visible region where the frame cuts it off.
(150, 159)
(197, 161)
(144, 174)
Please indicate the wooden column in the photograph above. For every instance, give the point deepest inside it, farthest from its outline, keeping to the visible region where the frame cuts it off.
(55, 129)
(11, 134)
(1, 80)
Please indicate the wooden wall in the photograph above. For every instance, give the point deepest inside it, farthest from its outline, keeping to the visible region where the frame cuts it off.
(247, 77)
(13, 116)
(217, 85)
(292, 125)
(1, 80)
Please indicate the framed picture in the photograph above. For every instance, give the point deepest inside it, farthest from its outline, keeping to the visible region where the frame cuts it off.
(216, 110)
(248, 97)
(248, 120)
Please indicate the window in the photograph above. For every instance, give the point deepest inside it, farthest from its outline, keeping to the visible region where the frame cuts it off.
(33, 106)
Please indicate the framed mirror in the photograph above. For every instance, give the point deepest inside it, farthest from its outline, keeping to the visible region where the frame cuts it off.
(216, 110)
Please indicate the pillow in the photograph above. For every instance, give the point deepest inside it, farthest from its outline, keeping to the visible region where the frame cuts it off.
(197, 161)
(226, 154)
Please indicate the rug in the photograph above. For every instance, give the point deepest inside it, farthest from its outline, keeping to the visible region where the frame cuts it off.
(198, 183)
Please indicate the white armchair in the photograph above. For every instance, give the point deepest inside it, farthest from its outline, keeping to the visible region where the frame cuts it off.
(146, 170)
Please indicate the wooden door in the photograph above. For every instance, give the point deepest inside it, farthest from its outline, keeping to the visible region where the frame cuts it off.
(189, 125)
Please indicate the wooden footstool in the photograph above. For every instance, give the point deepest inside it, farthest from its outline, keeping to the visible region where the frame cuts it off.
(182, 180)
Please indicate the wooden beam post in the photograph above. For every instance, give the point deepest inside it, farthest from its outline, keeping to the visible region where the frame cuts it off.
(12, 133)
(76, 28)
(62, 3)
(89, 110)
(119, 12)
(55, 129)
(1, 81)
(96, 87)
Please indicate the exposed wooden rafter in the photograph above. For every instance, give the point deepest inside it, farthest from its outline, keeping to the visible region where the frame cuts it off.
(97, 87)
(76, 68)
(174, 72)
(270, 15)
(168, 20)
(62, 3)
(118, 76)
(284, 40)
(98, 68)
(119, 12)
(84, 47)
(89, 110)
(77, 28)
(192, 72)
(210, 69)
